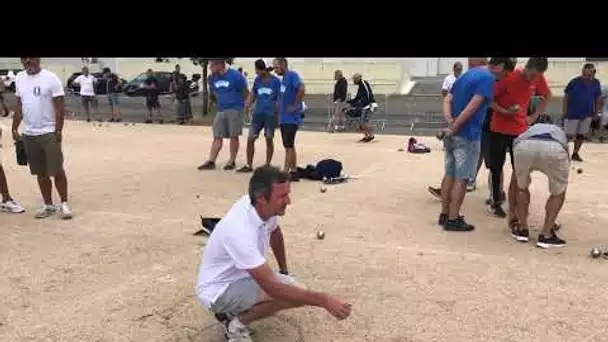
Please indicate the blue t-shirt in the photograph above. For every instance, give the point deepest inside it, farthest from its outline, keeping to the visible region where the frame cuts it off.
(582, 95)
(290, 86)
(476, 81)
(228, 89)
(266, 93)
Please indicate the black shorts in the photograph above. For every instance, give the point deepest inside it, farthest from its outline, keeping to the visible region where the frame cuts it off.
(288, 134)
(500, 144)
(152, 102)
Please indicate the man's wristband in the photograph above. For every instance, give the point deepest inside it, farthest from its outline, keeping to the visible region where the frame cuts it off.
(284, 272)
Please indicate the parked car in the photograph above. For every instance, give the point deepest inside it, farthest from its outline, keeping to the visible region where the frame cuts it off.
(8, 77)
(100, 87)
(136, 86)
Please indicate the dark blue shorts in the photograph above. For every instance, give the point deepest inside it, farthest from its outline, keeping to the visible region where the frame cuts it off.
(262, 121)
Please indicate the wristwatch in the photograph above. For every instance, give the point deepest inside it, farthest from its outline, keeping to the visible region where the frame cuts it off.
(284, 272)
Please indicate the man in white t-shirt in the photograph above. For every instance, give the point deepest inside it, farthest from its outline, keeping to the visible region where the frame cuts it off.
(41, 107)
(8, 204)
(449, 80)
(87, 84)
(235, 280)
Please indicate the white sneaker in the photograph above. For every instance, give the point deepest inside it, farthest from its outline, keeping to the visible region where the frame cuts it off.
(45, 211)
(66, 211)
(12, 207)
(237, 332)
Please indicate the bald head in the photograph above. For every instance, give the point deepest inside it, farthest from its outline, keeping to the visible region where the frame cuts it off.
(477, 61)
(457, 69)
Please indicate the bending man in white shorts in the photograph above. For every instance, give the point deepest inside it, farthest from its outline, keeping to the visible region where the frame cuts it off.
(235, 280)
(544, 148)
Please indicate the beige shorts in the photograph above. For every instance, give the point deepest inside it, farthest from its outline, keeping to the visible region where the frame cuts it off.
(546, 156)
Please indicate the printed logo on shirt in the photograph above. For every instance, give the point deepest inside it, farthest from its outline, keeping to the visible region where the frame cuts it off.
(36, 91)
(221, 84)
(283, 88)
(265, 91)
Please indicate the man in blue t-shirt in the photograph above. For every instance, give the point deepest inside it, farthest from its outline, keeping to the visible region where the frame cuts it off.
(265, 93)
(582, 102)
(464, 109)
(290, 112)
(230, 90)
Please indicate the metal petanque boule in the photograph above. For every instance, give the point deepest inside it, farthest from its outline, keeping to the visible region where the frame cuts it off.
(595, 252)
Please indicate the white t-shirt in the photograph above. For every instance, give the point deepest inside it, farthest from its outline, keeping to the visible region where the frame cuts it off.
(36, 93)
(448, 82)
(239, 242)
(87, 84)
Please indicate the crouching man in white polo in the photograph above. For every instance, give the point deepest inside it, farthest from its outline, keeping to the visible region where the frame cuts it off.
(235, 279)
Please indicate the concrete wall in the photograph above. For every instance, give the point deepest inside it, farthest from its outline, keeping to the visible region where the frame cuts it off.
(387, 76)
(562, 70)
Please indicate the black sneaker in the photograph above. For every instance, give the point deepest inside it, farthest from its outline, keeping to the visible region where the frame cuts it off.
(88, 119)
(245, 169)
(518, 233)
(230, 166)
(294, 177)
(435, 192)
(209, 165)
(443, 218)
(576, 157)
(497, 211)
(550, 242)
(458, 225)
(148, 121)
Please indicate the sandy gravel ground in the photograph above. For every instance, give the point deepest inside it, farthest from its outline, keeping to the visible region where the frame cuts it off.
(124, 268)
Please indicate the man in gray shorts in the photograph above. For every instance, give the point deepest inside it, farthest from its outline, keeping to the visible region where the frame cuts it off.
(581, 104)
(543, 147)
(230, 90)
(235, 279)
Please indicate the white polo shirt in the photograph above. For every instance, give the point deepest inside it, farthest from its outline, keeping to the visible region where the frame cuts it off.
(448, 82)
(36, 93)
(238, 243)
(87, 84)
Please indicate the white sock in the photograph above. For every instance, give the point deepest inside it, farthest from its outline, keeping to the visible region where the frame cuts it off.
(235, 325)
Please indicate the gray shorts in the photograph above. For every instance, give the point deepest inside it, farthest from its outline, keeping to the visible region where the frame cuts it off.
(228, 124)
(242, 295)
(577, 127)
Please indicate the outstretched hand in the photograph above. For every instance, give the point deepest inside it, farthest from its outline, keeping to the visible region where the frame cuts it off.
(338, 308)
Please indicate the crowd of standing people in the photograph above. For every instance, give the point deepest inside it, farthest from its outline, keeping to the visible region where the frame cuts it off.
(490, 113)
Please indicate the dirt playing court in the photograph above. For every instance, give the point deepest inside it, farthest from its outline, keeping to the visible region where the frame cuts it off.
(124, 269)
